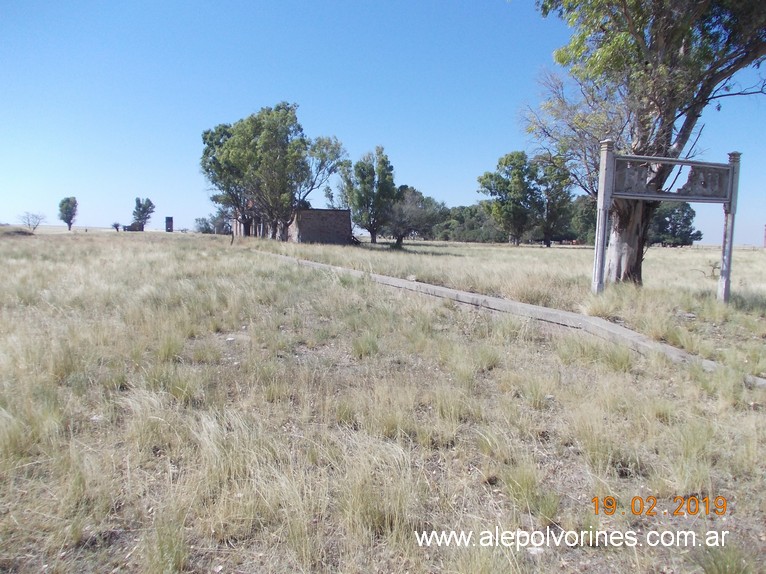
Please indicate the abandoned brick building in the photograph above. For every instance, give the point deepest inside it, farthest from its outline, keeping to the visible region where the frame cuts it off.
(315, 226)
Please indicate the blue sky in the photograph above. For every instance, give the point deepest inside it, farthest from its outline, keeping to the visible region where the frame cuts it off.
(107, 101)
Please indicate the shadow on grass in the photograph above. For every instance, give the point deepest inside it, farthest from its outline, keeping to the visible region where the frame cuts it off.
(12, 231)
(749, 302)
(389, 247)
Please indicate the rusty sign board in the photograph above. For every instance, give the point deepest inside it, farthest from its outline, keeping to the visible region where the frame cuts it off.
(706, 182)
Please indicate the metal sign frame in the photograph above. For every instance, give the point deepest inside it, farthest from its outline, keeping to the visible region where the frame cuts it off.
(625, 176)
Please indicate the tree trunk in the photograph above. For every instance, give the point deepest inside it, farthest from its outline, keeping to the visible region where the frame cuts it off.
(373, 235)
(69, 226)
(627, 238)
(246, 227)
(399, 242)
(273, 229)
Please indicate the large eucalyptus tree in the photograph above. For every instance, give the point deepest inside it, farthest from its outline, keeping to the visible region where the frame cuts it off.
(664, 61)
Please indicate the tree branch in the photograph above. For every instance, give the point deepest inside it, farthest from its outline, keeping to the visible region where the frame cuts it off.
(706, 92)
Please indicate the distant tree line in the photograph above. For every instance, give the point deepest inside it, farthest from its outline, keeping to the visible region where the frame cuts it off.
(672, 225)
(532, 201)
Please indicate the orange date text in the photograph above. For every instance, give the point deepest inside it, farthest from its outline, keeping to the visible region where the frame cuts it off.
(648, 506)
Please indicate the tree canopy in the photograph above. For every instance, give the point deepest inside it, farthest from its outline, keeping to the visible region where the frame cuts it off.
(584, 219)
(414, 214)
(68, 211)
(369, 192)
(527, 194)
(471, 223)
(513, 196)
(142, 212)
(672, 58)
(217, 222)
(573, 120)
(226, 176)
(673, 224)
(553, 184)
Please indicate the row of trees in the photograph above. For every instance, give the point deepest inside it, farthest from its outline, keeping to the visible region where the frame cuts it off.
(263, 168)
(672, 224)
(533, 199)
(530, 199)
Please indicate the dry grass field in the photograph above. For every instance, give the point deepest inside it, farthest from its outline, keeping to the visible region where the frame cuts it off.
(677, 305)
(171, 403)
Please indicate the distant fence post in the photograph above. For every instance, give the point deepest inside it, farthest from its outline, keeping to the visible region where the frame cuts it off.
(730, 209)
(605, 185)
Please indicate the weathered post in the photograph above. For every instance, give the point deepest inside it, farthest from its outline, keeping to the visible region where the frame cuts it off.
(730, 209)
(605, 185)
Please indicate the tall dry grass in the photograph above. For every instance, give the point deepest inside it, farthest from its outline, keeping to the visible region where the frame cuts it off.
(171, 403)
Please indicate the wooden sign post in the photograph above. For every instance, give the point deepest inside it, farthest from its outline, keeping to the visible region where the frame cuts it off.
(626, 176)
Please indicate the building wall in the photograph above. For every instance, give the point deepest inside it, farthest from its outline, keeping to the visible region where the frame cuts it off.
(321, 226)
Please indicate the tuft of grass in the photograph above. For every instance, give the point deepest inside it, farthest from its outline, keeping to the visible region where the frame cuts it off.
(524, 486)
(457, 408)
(165, 549)
(487, 358)
(606, 452)
(725, 560)
(170, 348)
(538, 391)
(583, 350)
(346, 414)
(374, 505)
(365, 345)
